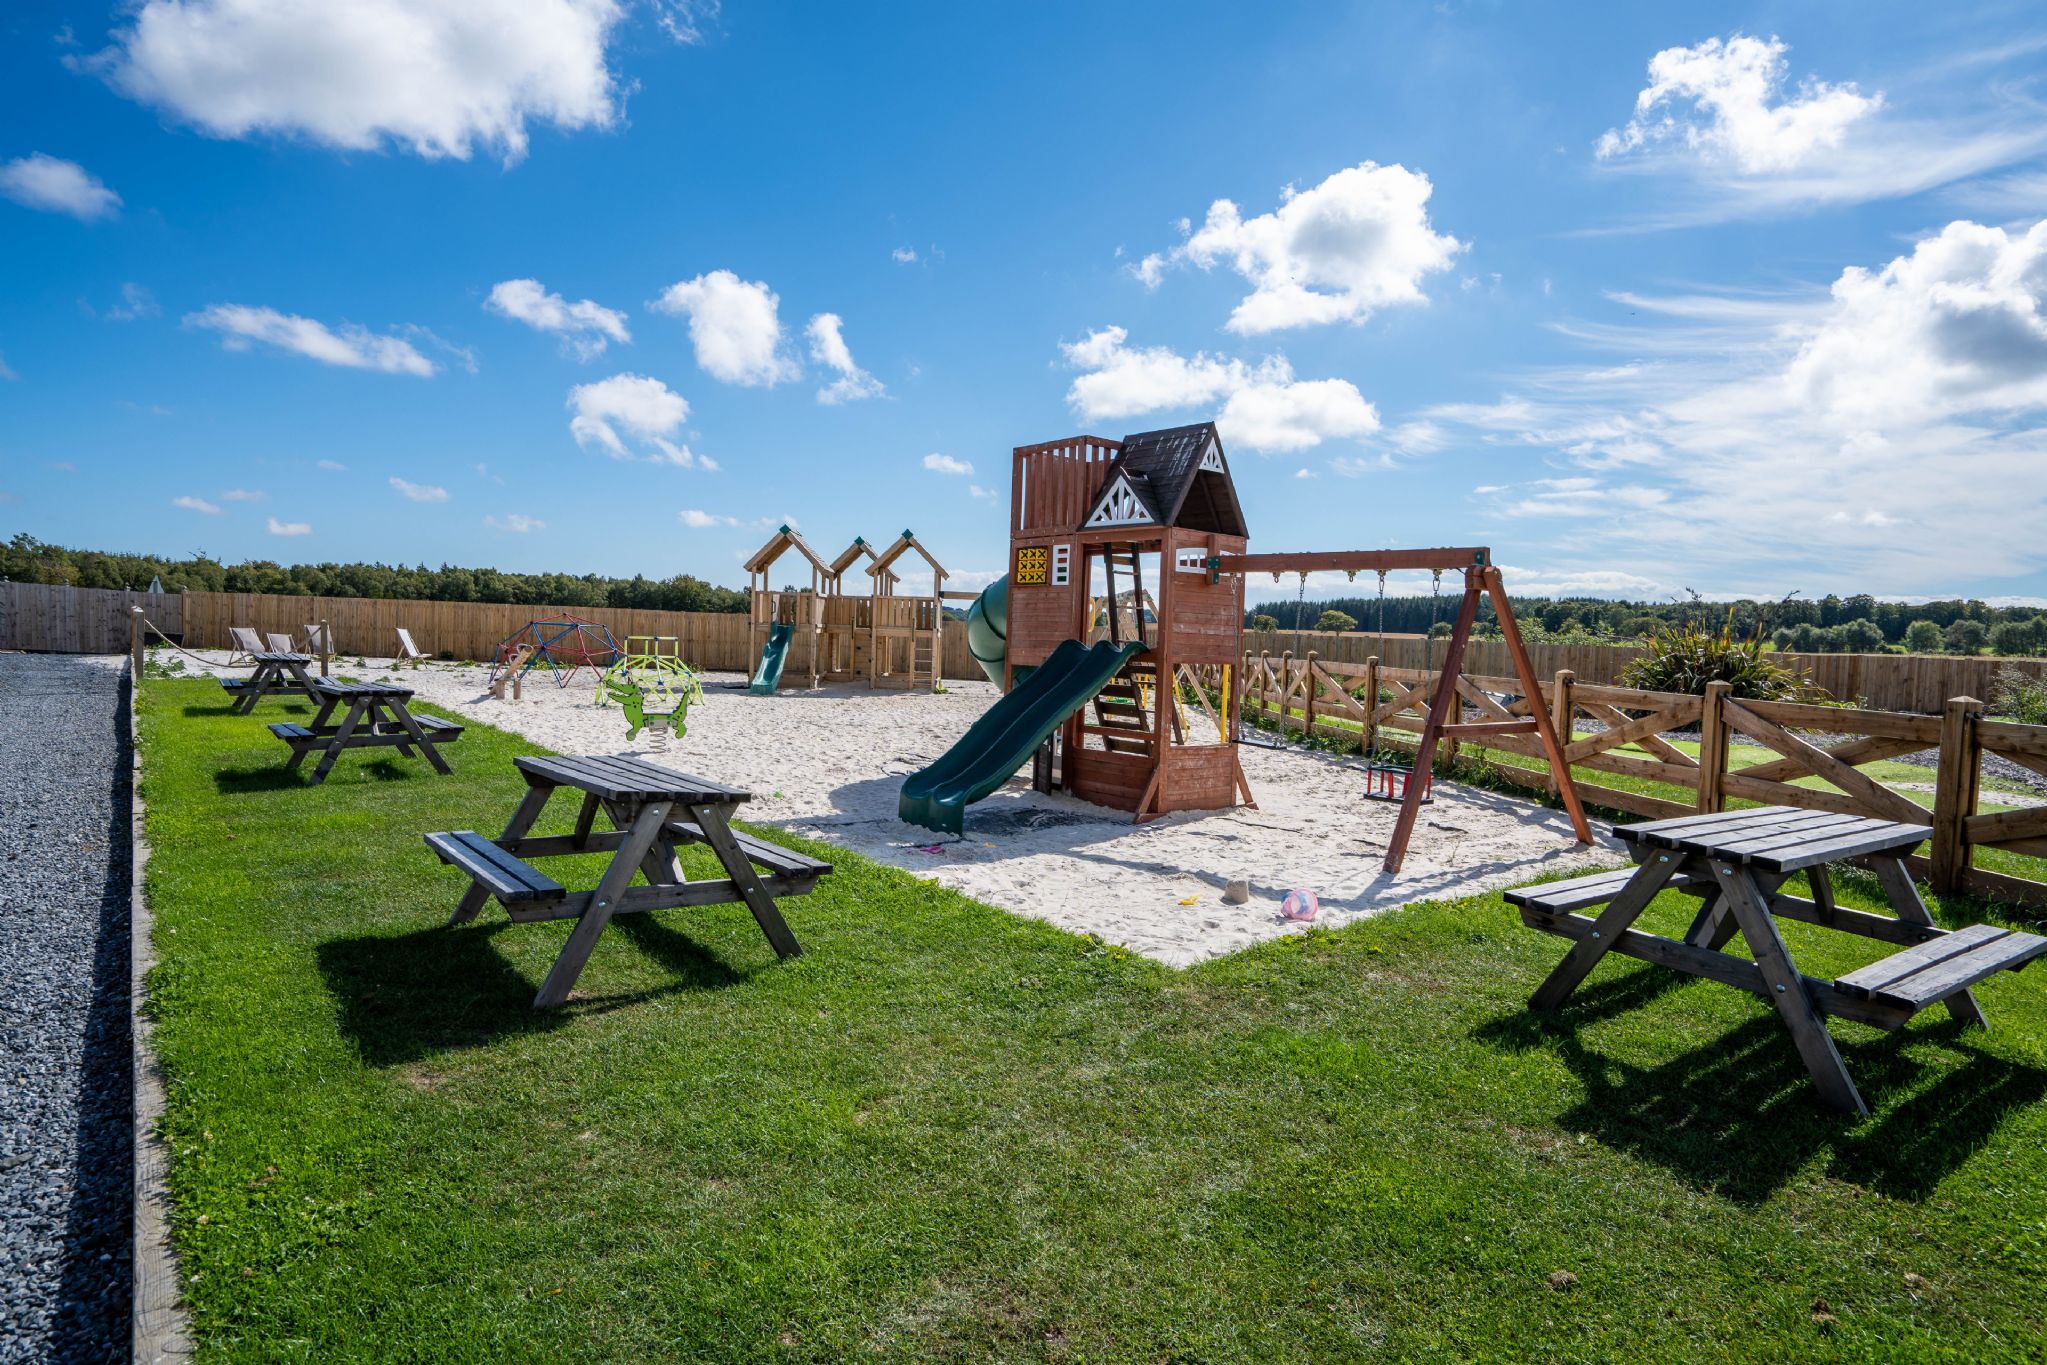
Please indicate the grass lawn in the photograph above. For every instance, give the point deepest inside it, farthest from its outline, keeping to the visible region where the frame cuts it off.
(948, 1133)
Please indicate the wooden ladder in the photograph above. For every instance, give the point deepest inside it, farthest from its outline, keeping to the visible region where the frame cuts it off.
(1121, 718)
(923, 661)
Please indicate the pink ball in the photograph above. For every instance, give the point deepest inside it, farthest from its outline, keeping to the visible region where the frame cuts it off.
(1299, 904)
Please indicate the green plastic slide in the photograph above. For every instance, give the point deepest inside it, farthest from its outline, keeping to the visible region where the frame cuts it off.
(1001, 741)
(988, 628)
(769, 675)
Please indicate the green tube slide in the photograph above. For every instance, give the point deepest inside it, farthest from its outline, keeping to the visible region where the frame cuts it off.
(988, 628)
(769, 675)
(1002, 740)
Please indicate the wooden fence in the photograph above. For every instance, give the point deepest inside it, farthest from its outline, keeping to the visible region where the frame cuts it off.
(472, 630)
(1801, 743)
(1882, 682)
(64, 620)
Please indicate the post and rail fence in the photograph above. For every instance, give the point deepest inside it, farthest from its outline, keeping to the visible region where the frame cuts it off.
(1811, 756)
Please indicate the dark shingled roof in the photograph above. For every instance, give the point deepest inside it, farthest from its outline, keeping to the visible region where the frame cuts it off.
(1164, 470)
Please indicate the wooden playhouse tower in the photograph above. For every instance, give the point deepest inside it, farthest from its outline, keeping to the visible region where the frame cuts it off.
(905, 633)
(1109, 538)
(800, 608)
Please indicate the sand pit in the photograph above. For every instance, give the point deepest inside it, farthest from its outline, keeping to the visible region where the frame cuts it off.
(827, 764)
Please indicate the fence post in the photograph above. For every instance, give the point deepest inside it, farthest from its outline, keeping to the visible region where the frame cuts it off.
(326, 645)
(1563, 711)
(135, 641)
(1286, 688)
(1713, 747)
(1371, 705)
(1308, 678)
(1955, 784)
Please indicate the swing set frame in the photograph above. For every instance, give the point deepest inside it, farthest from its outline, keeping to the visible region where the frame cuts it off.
(1481, 579)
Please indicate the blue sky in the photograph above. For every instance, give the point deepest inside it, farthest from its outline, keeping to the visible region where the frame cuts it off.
(1745, 298)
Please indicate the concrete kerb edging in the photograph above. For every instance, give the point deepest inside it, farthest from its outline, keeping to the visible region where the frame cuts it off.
(160, 1329)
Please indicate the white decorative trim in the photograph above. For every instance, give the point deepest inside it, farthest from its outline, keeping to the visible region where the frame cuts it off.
(1062, 565)
(1212, 458)
(1192, 560)
(1120, 506)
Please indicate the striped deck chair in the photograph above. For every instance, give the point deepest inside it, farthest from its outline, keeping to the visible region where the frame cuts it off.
(247, 642)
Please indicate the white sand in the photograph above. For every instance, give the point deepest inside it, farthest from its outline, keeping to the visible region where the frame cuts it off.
(828, 764)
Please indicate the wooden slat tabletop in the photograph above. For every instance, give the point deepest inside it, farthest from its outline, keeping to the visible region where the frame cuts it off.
(267, 656)
(619, 778)
(1777, 838)
(328, 687)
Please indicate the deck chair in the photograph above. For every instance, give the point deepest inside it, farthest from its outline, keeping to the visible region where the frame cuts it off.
(280, 644)
(312, 637)
(247, 642)
(408, 652)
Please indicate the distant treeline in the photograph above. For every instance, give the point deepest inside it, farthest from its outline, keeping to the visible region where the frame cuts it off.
(27, 560)
(1859, 624)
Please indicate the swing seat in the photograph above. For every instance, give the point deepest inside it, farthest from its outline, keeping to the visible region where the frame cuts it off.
(1388, 782)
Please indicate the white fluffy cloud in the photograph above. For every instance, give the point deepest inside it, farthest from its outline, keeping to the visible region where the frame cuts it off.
(44, 182)
(1957, 326)
(1358, 242)
(828, 348)
(348, 345)
(437, 77)
(242, 495)
(1735, 87)
(1264, 407)
(334, 466)
(516, 522)
(585, 328)
(288, 528)
(698, 520)
(192, 504)
(418, 492)
(946, 464)
(637, 409)
(1882, 436)
(735, 325)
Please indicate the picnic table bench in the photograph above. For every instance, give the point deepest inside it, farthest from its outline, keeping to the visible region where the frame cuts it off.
(376, 717)
(652, 810)
(279, 673)
(1736, 862)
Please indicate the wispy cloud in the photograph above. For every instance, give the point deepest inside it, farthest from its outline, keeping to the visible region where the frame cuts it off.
(44, 182)
(192, 504)
(348, 345)
(946, 464)
(288, 528)
(515, 522)
(418, 492)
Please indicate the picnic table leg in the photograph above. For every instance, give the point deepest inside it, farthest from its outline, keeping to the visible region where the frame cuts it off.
(1613, 921)
(661, 864)
(340, 740)
(253, 693)
(586, 817)
(1808, 1028)
(716, 824)
(530, 806)
(1962, 1006)
(1713, 925)
(561, 979)
(403, 715)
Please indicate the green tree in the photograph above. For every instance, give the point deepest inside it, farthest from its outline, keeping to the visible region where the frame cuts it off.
(1337, 621)
(1923, 637)
(1966, 637)
(2016, 637)
(1263, 622)
(1860, 635)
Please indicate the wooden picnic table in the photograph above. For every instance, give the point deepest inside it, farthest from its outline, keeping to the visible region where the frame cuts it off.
(279, 673)
(652, 810)
(376, 717)
(1737, 863)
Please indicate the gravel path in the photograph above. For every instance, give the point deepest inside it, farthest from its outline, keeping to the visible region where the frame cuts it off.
(64, 1060)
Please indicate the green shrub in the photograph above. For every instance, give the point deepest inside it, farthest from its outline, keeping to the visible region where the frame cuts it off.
(1684, 658)
(1923, 637)
(2017, 637)
(2020, 695)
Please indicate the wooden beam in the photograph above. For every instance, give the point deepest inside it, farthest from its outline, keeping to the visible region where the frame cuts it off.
(1524, 669)
(1425, 751)
(1353, 561)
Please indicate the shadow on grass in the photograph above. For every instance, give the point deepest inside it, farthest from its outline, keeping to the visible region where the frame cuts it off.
(405, 997)
(1738, 1115)
(235, 781)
